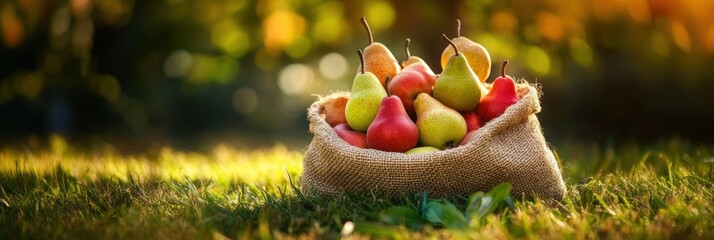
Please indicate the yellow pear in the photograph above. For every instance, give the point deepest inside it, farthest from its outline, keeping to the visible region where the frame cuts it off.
(477, 56)
(411, 59)
(378, 59)
(439, 126)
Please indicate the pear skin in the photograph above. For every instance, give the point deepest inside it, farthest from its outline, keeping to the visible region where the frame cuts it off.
(458, 87)
(354, 138)
(477, 55)
(335, 111)
(473, 121)
(424, 149)
(502, 95)
(378, 59)
(392, 130)
(439, 126)
(413, 60)
(365, 98)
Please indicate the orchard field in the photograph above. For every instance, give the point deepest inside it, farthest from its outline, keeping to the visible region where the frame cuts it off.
(662, 190)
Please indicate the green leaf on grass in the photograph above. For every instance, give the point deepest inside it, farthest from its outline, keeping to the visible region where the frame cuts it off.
(452, 217)
(481, 204)
(433, 212)
(402, 215)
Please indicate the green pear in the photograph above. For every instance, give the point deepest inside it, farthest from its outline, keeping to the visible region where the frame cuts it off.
(439, 126)
(365, 98)
(423, 149)
(477, 55)
(458, 87)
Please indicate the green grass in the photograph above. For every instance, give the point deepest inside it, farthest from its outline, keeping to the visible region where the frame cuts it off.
(660, 191)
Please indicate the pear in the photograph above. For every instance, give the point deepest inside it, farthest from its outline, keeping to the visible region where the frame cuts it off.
(334, 111)
(378, 59)
(350, 136)
(476, 54)
(365, 98)
(424, 149)
(418, 64)
(502, 95)
(468, 137)
(439, 126)
(473, 121)
(411, 59)
(392, 130)
(458, 87)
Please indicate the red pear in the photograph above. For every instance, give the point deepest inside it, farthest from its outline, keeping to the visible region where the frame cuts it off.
(392, 130)
(502, 95)
(473, 121)
(350, 136)
(334, 111)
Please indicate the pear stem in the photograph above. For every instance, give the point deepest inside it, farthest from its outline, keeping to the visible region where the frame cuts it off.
(386, 83)
(458, 28)
(456, 50)
(363, 20)
(406, 48)
(503, 68)
(361, 59)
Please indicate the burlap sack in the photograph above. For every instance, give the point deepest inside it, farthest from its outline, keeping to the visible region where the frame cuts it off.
(510, 148)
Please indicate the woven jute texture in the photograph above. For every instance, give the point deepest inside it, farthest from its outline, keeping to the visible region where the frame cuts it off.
(510, 148)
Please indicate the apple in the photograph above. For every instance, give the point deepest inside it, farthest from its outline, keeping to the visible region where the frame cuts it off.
(473, 121)
(409, 83)
(468, 137)
(350, 136)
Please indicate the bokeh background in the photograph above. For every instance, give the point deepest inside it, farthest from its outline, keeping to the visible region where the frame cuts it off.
(192, 73)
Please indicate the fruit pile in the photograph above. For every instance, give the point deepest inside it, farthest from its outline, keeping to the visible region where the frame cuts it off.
(411, 109)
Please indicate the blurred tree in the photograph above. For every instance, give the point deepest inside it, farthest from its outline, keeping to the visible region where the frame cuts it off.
(185, 70)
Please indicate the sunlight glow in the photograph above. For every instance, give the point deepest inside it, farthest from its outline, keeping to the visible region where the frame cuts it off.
(178, 64)
(709, 39)
(299, 48)
(60, 21)
(550, 26)
(333, 66)
(660, 43)
(281, 28)
(538, 60)
(12, 30)
(380, 15)
(230, 38)
(257, 166)
(295, 79)
(681, 36)
(498, 45)
(329, 25)
(504, 22)
(639, 10)
(581, 52)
